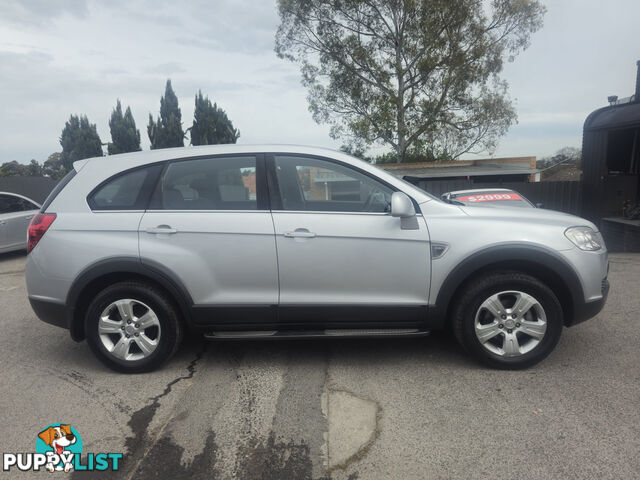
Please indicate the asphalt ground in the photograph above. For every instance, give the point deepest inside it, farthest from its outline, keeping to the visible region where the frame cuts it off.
(339, 409)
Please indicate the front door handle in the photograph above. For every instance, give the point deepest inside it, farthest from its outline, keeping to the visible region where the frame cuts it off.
(300, 233)
(161, 229)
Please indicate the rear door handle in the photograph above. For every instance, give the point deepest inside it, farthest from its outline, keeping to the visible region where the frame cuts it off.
(161, 229)
(300, 233)
(28, 217)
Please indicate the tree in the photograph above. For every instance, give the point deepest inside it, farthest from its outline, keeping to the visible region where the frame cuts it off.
(167, 131)
(356, 151)
(124, 135)
(211, 126)
(34, 169)
(565, 156)
(53, 166)
(79, 140)
(412, 74)
(13, 168)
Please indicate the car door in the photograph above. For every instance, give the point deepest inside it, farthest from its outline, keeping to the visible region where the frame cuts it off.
(15, 215)
(209, 225)
(342, 257)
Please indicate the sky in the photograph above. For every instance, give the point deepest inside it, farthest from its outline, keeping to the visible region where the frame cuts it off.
(67, 57)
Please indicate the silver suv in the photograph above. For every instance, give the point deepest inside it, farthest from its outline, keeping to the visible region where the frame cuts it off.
(132, 250)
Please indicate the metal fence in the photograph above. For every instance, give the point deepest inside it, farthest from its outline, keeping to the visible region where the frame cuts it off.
(561, 196)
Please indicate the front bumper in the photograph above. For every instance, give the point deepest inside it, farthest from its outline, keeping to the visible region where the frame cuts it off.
(587, 310)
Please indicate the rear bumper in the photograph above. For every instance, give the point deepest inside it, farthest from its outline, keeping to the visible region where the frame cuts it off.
(51, 312)
(588, 310)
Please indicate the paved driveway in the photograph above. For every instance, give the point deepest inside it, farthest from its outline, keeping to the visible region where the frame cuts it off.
(341, 409)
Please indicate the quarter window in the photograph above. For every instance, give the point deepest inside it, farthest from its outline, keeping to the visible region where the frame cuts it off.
(224, 183)
(311, 184)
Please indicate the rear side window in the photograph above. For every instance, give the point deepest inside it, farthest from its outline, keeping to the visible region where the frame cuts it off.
(14, 204)
(222, 183)
(127, 191)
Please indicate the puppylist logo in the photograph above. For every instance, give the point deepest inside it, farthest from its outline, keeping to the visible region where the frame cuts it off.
(59, 449)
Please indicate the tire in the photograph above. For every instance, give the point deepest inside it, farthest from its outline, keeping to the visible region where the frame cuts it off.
(489, 331)
(132, 327)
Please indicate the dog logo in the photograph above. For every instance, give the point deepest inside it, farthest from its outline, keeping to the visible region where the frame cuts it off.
(60, 443)
(59, 449)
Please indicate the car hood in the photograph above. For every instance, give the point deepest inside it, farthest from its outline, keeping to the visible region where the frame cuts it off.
(533, 215)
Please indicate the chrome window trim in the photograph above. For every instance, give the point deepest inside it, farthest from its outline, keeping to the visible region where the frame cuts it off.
(206, 211)
(329, 212)
(313, 212)
(117, 211)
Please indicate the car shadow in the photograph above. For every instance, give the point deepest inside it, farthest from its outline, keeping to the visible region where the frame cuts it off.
(438, 349)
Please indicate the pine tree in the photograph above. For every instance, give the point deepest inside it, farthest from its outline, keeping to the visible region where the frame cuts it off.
(79, 140)
(211, 125)
(167, 131)
(124, 135)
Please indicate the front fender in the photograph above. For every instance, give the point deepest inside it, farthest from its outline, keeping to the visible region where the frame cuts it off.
(541, 262)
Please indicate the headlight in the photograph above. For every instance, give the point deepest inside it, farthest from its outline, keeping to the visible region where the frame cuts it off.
(585, 238)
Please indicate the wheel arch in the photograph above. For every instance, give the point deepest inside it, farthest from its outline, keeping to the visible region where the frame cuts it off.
(106, 272)
(542, 263)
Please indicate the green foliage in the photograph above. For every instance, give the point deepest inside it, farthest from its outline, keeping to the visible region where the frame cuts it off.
(53, 166)
(566, 158)
(356, 151)
(167, 131)
(13, 168)
(34, 169)
(124, 135)
(211, 126)
(413, 74)
(79, 140)
(413, 156)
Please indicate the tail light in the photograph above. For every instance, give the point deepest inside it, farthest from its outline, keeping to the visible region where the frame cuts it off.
(38, 227)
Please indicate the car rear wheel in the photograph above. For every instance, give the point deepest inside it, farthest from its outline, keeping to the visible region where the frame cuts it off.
(508, 320)
(132, 327)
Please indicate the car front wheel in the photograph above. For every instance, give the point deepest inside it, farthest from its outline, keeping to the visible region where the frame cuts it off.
(132, 327)
(508, 320)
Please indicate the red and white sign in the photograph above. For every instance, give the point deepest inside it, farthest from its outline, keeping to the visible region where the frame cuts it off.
(489, 197)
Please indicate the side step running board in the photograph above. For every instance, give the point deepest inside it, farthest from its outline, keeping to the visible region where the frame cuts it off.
(333, 333)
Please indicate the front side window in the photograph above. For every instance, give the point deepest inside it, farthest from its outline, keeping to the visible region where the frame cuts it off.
(224, 183)
(312, 184)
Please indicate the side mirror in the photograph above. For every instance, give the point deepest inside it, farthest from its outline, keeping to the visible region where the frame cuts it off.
(401, 205)
(539, 205)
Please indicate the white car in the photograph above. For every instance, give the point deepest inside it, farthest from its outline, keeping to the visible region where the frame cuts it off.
(16, 213)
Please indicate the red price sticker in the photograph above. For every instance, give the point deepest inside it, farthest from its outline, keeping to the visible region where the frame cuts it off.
(491, 197)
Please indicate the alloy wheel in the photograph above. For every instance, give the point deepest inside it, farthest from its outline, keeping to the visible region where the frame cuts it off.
(129, 329)
(510, 323)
